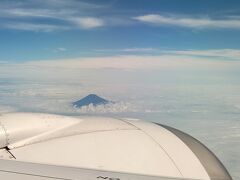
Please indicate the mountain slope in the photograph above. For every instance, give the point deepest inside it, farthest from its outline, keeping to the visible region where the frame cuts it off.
(90, 99)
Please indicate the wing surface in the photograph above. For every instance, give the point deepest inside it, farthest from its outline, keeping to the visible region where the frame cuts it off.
(12, 170)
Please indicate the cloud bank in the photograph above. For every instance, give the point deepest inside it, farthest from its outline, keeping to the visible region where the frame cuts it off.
(164, 60)
(170, 89)
(119, 107)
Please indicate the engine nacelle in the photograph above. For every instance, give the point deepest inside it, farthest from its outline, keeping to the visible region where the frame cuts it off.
(109, 144)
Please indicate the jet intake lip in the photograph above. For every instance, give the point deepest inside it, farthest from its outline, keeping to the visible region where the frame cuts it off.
(214, 167)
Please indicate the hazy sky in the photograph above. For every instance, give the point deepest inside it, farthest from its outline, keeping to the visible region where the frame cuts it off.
(170, 61)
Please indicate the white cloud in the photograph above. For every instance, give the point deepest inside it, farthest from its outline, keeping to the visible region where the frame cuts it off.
(134, 50)
(223, 53)
(70, 16)
(228, 54)
(60, 49)
(33, 27)
(119, 107)
(138, 49)
(190, 22)
(34, 13)
(87, 22)
(62, 15)
(46, 8)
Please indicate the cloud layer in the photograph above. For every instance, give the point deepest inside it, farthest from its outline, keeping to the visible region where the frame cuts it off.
(164, 59)
(194, 94)
(119, 107)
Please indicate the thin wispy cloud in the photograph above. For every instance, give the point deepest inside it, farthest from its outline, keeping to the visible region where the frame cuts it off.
(46, 8)
(222, 53)
(190, 22)
(56, 15)
(60, 49)
(134, 50)
(134, 62)
(69, 16)
(88, 22)
(33, 27)
(227, 54)
(138, 50)
(34, 13)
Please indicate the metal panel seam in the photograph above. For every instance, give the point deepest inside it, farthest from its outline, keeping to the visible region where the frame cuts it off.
(159, 146)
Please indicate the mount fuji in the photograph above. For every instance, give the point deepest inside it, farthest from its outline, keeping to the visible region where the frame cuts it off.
(93, 99)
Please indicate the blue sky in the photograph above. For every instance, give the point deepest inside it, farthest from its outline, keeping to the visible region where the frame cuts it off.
(55, 29)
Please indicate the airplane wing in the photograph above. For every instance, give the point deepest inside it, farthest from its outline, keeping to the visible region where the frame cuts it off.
(43, 146)
(12, 170)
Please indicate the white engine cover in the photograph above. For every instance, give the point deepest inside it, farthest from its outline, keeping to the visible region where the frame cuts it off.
(118, 145)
